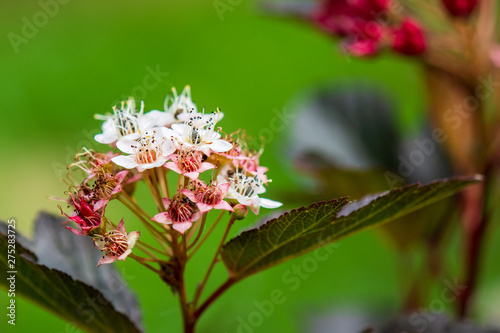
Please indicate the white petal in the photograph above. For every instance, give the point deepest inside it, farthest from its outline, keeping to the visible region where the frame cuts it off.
(168, 148)
(209, 135)
(179, 128)
(148, 121)
(132, 238)
(125, 161)
(109, 126)
(220, 146)
(260, 189)
(105, 138)
(266, 203)
(248, 201)
(131, 136)
(126, 146)
(164, 119)
(167, 133)
(159, 162)
(183, 117)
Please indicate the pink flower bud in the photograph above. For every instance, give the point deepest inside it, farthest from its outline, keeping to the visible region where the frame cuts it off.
(460, 8)
(240, 211)
(409, 38)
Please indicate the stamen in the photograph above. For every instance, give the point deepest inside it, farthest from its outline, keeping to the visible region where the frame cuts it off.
(115, 243)
(181, 209)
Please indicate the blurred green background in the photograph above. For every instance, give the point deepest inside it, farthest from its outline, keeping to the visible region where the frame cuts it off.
(92, 53)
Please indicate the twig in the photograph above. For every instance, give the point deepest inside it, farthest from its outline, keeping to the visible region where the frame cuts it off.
(212, 264)
(207, 234)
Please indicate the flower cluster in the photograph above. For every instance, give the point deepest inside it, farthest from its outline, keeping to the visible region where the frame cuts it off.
(214, 172)
(367, 26)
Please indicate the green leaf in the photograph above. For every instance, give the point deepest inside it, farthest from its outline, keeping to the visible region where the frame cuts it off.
(305, 229)
(74, 301)
(58, 248)
(348, 140)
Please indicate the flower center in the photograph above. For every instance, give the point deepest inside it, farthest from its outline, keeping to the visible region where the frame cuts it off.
(189, 160)
(125, 122)
(104, 185)
(210, 196)
(115, 243)
(195, 136)
(181, 210)
(148, 150)
(200, 128)
(246, 186)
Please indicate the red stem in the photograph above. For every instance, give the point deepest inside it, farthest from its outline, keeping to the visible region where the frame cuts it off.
(476, 233)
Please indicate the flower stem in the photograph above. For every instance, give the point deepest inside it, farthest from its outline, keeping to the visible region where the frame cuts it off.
(216, 294)
(180, 286)
(146, 245)
(180, 182)
(200, 230)
(475, 246)
(163, 181)
(142, 260)
(134, 203)
(207, 234)
(154, 190)
(141, 246)
(212, 264)
(160, 238)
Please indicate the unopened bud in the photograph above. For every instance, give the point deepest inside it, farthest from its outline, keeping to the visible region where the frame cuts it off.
(460, 8)
(409, 38)
(240, 211)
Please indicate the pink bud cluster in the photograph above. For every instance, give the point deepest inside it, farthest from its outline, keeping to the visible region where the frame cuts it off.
(366, 27)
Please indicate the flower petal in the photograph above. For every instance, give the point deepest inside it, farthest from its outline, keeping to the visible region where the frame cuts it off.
(132, 238)
(182, 227)
(125, 254)
(224, 187)
(205, 166)
(220, 146)
(192, 175)
(99, 204)
(121, 175)
(106, 260)
(126, 146)
(188, 194)
(267, 203)
(172, 166)
(166, 202)
(255, 209)
(168, 147)
(121, 227)
(179, 128)
(131, 136)
(224, 205)
(76, 231)
(203, 207)
(105, 138)
(125, 161)
(162, 218)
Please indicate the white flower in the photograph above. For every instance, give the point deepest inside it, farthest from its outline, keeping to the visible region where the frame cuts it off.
(151, 150)
(178, 109)
(125, 122)
(199, 132)
(246, 191)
